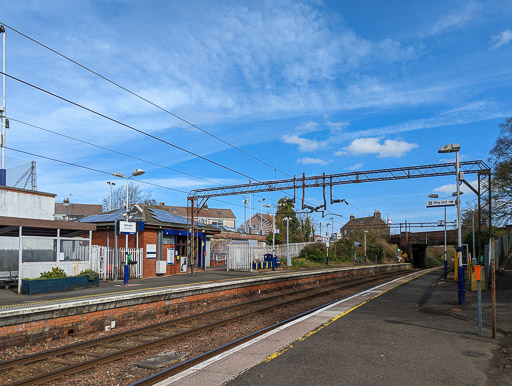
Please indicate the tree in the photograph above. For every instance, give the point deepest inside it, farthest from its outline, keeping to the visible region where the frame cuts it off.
(136, 195)
(501, 159)
(300, 229)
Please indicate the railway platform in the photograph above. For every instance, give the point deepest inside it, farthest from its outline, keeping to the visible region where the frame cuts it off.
(409, 331)
(31, 318)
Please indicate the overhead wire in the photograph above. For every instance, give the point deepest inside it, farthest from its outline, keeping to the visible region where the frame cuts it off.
(142, 98)
(149, 102)
(108, 173)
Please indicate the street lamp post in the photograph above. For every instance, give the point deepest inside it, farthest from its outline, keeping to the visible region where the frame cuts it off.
(365, 232)
(135, 173)
(455, 148)
(261, 216)
(244, 201)
(445, 257)
(110, 184)
(288, 259)
(3, 171)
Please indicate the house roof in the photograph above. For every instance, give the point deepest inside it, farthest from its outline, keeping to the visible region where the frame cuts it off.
(78, 209)
(150, 214)
(9, 226)
(205, 212)
(365, 221)
(265, 216)
(26, 191)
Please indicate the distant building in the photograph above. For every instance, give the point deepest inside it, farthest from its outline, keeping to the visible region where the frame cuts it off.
(69, 211)
(208, 216)
(258, 224)
(373, 224)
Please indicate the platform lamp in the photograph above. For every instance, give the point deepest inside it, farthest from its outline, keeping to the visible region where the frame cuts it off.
(135, 173)
(434, 195)
(261, 216)
(288, 259)
(455, 148)
(3, 170)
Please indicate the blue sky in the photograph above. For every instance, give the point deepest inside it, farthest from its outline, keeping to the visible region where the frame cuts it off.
(305, 86)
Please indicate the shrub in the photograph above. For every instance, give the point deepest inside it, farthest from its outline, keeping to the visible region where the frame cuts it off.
(91, 275)
(313, 252)
(55, 273)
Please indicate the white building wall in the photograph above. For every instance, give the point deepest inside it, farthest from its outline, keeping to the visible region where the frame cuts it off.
(24, 204)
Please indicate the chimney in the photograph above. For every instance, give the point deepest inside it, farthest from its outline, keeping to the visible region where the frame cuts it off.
(352, 217)
(162, 204)
(376, 214)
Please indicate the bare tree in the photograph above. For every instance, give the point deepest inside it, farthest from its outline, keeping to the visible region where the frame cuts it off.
(136, 195)
(501, 158)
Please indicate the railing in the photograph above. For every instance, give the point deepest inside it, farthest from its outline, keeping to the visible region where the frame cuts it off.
(241, 255)
(102, 261)
(294, 249)
(77, 253)
(502, 246)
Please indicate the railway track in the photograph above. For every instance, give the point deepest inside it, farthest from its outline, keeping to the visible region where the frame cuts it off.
(59, 363)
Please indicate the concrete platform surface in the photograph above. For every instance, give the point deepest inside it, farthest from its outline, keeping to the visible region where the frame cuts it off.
(414, 334)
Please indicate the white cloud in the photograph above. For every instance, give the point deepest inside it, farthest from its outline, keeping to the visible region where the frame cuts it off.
(305, 145)
(337, 126)
(502, 39)
(313, 161)
(448, 189)
(454, 20)
(307, 127)
(355, 167)
(388, 148)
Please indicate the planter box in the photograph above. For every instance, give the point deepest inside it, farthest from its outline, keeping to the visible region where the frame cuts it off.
(41, 286)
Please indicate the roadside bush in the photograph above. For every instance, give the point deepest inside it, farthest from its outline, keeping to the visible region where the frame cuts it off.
(91, 275)
(314, 252)
(55, 273)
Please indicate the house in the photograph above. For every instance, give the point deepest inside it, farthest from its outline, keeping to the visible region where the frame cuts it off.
(69, 211)
(258, 224)
(158, 237)
(373, 224)
(208, 216)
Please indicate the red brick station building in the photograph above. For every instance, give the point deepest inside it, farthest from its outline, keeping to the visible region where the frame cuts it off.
(160, 234)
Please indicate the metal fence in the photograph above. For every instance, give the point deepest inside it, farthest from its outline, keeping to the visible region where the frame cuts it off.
(241, 255)
(502, 246)
(294, 248)
(102, 261)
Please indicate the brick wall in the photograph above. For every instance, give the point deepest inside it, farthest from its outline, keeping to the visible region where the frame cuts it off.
(18, 330)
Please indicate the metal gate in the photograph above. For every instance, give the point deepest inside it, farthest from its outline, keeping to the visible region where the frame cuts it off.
(102, 261)
(241, 255)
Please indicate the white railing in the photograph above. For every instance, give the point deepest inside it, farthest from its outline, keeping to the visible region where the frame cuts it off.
(294, 248)
(102, 261)
(80, 253)
(241, 255)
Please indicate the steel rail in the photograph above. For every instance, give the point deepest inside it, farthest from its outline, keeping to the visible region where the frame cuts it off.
(164, 374)
(123, 353)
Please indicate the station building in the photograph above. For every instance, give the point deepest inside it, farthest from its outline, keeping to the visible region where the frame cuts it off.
(156, 246)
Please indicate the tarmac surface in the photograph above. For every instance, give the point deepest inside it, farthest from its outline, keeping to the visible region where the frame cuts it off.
(411, 333)
(415, 334)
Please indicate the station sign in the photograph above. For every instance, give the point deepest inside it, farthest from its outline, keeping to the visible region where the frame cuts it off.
(438, 203)
(127, 228)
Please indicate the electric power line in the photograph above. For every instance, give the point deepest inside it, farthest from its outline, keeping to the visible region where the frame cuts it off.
(142, 98)
(150, 102)
(126, 125)
(110, 174)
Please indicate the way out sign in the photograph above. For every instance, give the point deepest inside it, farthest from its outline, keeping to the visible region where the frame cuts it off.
(127, 228)
(436, 203)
